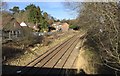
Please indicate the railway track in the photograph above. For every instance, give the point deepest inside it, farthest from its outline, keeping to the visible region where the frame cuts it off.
(58, 61)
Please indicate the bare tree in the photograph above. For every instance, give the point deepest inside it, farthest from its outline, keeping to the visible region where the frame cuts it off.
(104, 32)
(101, 21)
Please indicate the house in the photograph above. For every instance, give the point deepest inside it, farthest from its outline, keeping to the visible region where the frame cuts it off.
(64, 27)
(30, 29)
(27, 30)
(12, 30)
(57, 26)
(50, 28)
(23, 24)
(60, 26)
(33, 26)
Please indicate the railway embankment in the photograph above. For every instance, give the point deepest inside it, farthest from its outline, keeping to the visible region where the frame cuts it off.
(25, 56)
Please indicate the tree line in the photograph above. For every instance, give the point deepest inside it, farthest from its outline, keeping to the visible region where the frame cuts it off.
(31, 14)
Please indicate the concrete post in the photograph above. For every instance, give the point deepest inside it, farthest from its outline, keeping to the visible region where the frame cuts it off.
(9, 34)
(16, 33)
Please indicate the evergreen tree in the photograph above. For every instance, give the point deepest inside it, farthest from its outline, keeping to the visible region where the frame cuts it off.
(15, 9)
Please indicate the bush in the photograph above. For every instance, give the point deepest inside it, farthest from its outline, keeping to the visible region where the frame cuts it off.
(74, 27)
